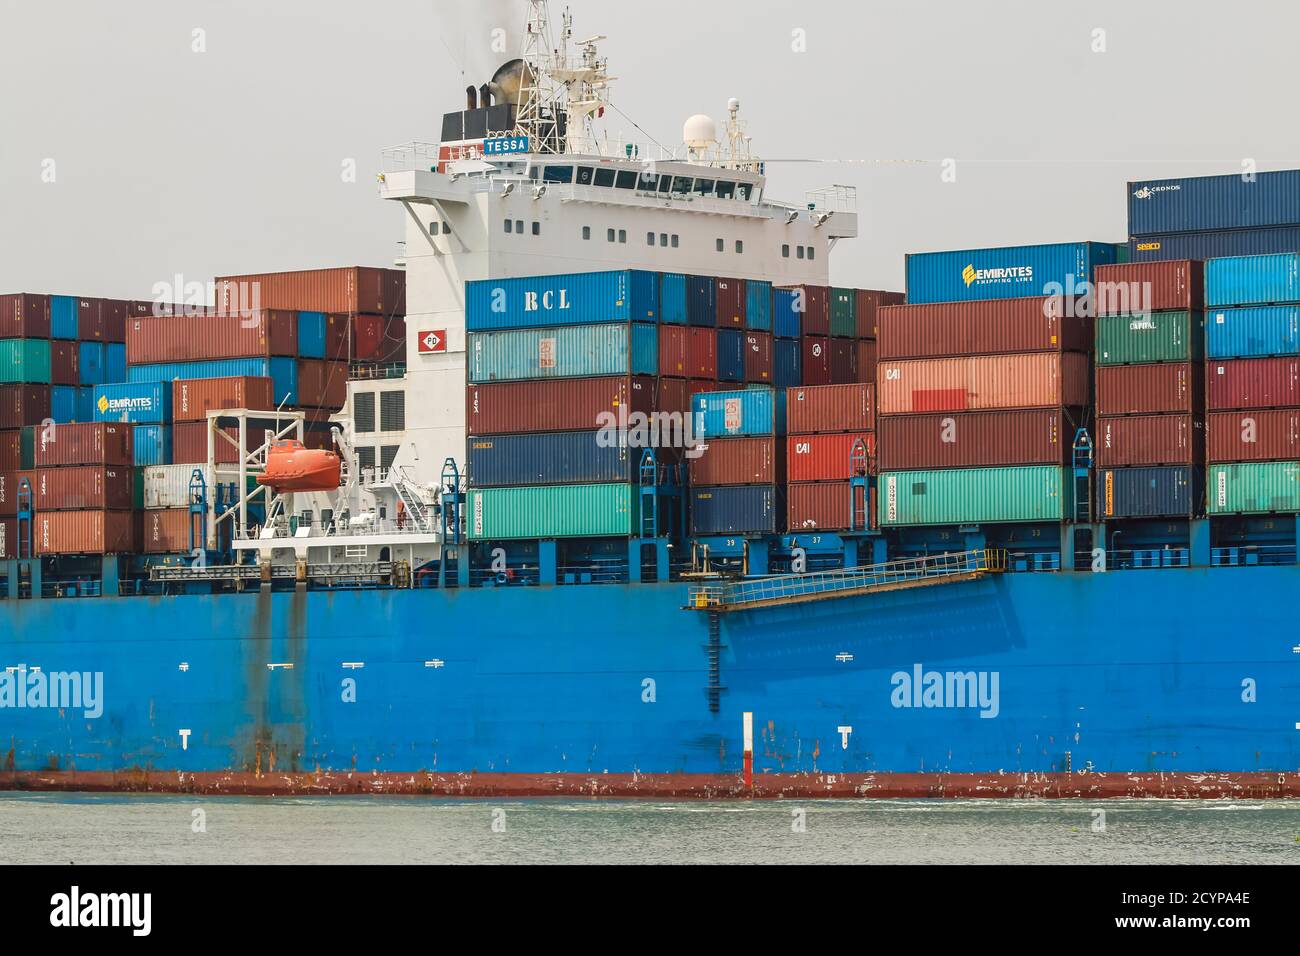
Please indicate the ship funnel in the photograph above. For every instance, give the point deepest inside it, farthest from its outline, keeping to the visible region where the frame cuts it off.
(485, 95)
(471, 98)
(511, 82)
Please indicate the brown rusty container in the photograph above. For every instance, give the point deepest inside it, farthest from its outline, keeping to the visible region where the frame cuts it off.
(84, 532)
(555, 405)
(24, 315)
(731, 303)
(1150, 389)
(192, 338)
(982, 382)
(830, 408)
(22, 405)
(112, 318)
(350, 289)
(322, 384)
(758, 357)
(141, 308)
(816, 318)
(338, 325)
(90, 320)
(1139, 287)
(1031, 436)
(739, 461)
(193, 398)
(9, 482)
(869, 304)
(1266, 434)
(826, 506)
(190, 443)
(702, 353)
(830, 457)
(867, 360)
(674, 396)
(166, 531)
(673, 359)
(78, 488)
(11, 450)
(91, 443)
(988, 327)
(1150, 440)
(65, 362)
(844, 361)
(1252, 383)
(815, 360)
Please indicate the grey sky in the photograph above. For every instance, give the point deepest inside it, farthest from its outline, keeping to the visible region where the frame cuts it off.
(229, 160)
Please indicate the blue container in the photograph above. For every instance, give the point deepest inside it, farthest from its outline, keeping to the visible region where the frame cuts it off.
(153, 444)
(787, 362)
(1004, 273)
(283, 373)
(1212, 245)
(1205, 203)
(731, 355)
(63, 403)
(759, 410)
(786, 319)
(63, 317)
(1253, 280)
(1175, 492)
(90, 361)
(86, 403)
(584, 298)
(579, 351)
(140, 403)
(740, 509)
(114, 362)
(702, 300)
(1252, 331)
(758, 305)
(311, 335)
(559, 458)
(672, 299)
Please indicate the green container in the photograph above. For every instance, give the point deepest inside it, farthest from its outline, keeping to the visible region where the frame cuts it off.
(974, 496)
(844, 313)
(1259, 487)
(1154, 337)
(27, 447)
(25, 360)
(556, 511)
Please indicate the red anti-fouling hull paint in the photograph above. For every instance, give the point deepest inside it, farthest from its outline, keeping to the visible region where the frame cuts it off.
(826, 506)
(739, 461)
(1031, 436)
(511, 408)
(1150, 440)
(1253, 435)
(1150, 389)
(829, 457)
(1252, 383)
(830, 408)
(1136, 287)
(77, 488)
(986, 327)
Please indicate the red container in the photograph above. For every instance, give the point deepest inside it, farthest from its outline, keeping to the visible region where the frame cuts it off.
(166, 531)
(988, 327)
(1253, 435)
(65, 363)
(11, 454)
(816, 319)
(92, 443)
(9, 538)
(738, 461)
(393, 348)
(826, 506)
(193, 398)
(90, 320)
(1253, 383)
(702, 353)
(322, 384)
(22, 405)
(844, 361)
(828, 457)
(350, 289)
(1030, 436)
(24, 315)
(79, 488)
(974, 383)
(1150, 440)
(190, 338)
(1139, 287)
(758, 357)
(376, 339)
(84, 532)
(190, 443)
(816, 360)
(830, 408)
(140, 308)
(1149, 389)
(673, 361)
(9, 482)
(112, 319)
(698, 385)
(674, 396)
(337, 327)
(556, 405)
(865, 366)
(731, 303)
(869, 304)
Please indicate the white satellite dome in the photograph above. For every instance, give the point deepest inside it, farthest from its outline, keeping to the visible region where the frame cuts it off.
(699, 131)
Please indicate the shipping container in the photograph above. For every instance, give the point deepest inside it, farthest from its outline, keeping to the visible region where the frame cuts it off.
(10, 485)
(787, 320)
(153, 444)
(731, 355)
(168, 486)
(1150, 389)
(90, 363)
(580, 351)
(1211, 245)
(1253, 280)
(674, 396)
(1201, 203)
(737, 509)
(702, 353)
(79, 488)
(96, 443)
(25, 361)
(24, 315)
(1030, 436)
(1150, 337)
(786, 363)
(84, 532)
(1176, 285)
(801, 310)
(283, 373)
(370, 338)
(831, 408)
(114, 362)
(322, 384)
(112, 322)
(9, 538)
(1005, 273)
(349, 289)
(337, 330)
(988, 327)
(844, 313)
(1165, 492)
(758, 357)
(169, 531)
(11, 453)
(22, 405)
(311, 335)
(672, 298)
(1036, 379)
(673, 359)
(830, 457)
(584, 298)
(65, 401)
(867, 310)
(63, 316)
(843, 361)
(1253, 435)
(1252, 331)
(826, 506)
(1150, 440)
(554, 511)
(184, 338)
(731, 302)
(27, 447)
(758, 305)
(65, 363)
(748, 412)
(738, 461)
(1265, 487)
(189, 443)
(90, 320)
(815, 360)
(701, 301)
(974, 496)
(1253, 383)
(147, 403)
(554, 458)
(557, 405)
(867, 360)
(193, 398)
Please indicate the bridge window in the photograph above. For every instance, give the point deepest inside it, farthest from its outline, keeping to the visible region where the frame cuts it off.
(704, 187)
(649, 238)
(740, 245)
(812, 253)
(586, 232)
(681, 185)
(663, 239)
(584, 175)
(433, 228)
(721, 244)
(725, 189)
(622, 235)
(537, 228)
(557, 174)
(674, 240)
(604, 177)
(519, 226)
(509, 225)
(785, 250)
(609, 235)
(665, 185)
(743, 190)
(626, 179)
(799, 251)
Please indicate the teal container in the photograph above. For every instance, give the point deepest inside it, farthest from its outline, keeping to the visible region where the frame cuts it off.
(755, 411)
(63, 403)
(63, 316)
(758, 305)
(672, 298)
(90, 361)
(1150, 337)
(973, 496)
(1252, 331)
(25, 360)
(556, 511)
(1258, 487)
(575, 351)
(1253, 280)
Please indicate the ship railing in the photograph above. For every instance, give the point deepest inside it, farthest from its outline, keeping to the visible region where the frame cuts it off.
(409, 156)
(833, 198)
(335, 530)
(367, 371)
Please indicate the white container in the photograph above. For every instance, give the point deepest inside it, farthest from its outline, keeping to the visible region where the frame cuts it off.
(168, 486)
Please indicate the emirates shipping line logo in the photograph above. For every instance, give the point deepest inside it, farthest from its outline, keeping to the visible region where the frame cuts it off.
(1003, 275)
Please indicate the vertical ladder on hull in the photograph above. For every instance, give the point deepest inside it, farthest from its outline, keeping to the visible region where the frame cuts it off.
(198, 512)
(715, 648)
(859, 518)
(24, 524)
(649, 481)
(1082, 476)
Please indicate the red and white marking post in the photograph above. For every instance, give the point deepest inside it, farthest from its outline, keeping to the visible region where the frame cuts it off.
(749, 750)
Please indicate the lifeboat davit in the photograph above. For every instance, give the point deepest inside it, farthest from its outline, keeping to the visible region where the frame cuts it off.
(292, 467)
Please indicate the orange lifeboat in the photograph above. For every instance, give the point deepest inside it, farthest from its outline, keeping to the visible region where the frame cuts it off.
(291, 467)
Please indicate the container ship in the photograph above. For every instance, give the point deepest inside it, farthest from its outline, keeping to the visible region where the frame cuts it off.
(605, 490)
